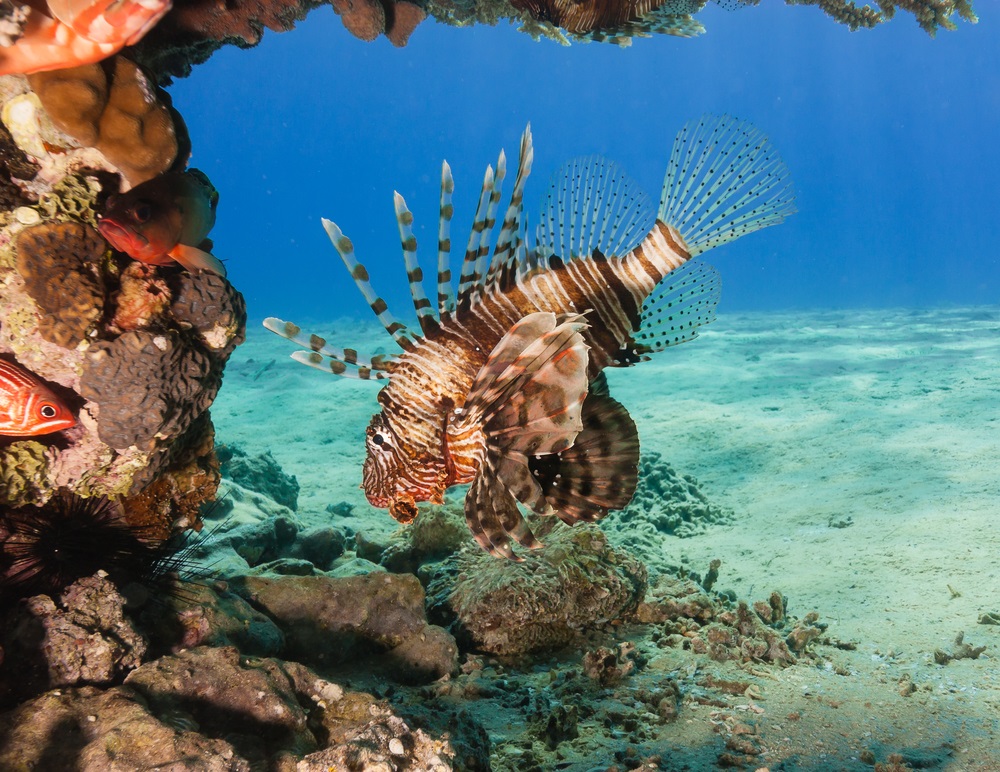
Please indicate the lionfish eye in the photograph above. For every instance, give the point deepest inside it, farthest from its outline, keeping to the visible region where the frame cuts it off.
(142, 211)
(48, 411)
(379, 440)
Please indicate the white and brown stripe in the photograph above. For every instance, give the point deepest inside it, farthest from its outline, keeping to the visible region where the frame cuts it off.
(433, 379)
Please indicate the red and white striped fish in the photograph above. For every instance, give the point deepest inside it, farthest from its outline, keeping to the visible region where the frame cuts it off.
(503, 387)
(27, 406)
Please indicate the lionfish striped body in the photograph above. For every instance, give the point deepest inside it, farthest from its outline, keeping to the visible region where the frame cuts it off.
(503, 386)
(28, 407)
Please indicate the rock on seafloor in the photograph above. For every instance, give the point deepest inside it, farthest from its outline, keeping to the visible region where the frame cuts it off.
(213, 709)
(85, 639)
(329, 620)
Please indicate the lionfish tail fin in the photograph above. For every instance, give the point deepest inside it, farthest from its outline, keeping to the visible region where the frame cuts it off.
(724, 179)
(359, 273)
(599, 472)
(346, 362)
(528, 398)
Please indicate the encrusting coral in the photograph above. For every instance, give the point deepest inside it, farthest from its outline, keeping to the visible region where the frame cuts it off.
(114, 107)
(150, 386)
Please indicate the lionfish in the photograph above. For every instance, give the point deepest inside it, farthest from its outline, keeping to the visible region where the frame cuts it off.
(503, 387)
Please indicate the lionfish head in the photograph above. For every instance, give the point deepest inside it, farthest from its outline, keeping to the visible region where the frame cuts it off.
(382, 472)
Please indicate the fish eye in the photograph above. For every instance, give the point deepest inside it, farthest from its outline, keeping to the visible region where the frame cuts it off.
(142, 211)
(48, 411)
(379, 440)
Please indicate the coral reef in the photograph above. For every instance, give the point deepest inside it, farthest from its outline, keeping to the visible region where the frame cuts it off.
(60, 265)
(931, 15)
(135, 353)
(672, 503)
(259, 473)
(577, 582)
(115, 108)
(85, 639)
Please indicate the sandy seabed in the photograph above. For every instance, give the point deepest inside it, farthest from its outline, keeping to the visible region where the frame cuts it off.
(860, 450)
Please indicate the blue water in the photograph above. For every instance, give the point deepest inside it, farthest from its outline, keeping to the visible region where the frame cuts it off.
(891, 138)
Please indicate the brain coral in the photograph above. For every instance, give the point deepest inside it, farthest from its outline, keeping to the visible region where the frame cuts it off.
(59, 263)
(577, 581)
(210, 305)
(148, 385)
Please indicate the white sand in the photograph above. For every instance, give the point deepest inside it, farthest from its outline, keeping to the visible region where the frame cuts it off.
(887, 420)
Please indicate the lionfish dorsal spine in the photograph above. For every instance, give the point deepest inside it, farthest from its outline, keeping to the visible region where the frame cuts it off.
(724, 180)
(346, 362)
(421, 303)
(359, 273)
(482, 254)
(466, 281)
(505, 251)
(446, 295)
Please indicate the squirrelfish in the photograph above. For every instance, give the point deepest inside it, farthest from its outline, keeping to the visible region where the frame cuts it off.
(27, 406)
(163, 220)
(67, 33)
(503, 386)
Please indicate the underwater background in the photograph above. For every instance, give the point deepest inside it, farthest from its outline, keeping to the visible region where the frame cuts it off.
(889, 135)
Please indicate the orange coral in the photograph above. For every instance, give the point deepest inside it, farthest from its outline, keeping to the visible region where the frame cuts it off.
(365, 19)
(405, 18)
(174, 499)
(115, 108)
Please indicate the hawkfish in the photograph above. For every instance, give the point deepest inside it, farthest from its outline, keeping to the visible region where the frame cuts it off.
(165, 220)
(502, 387)
(28, 407)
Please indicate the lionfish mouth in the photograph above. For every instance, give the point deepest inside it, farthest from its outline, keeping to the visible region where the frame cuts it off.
(403, 510)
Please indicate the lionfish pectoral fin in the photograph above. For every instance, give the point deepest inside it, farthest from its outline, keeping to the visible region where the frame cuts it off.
(530, 392)
(346, 362)
(195, 259)
(599, 472)
(493, 517)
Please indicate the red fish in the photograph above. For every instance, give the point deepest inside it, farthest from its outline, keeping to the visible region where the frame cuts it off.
(163, 220)
(503, 387)
(59, 34)
(27, 406)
